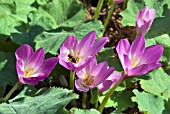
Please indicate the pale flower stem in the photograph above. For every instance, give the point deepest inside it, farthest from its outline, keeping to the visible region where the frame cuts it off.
(72, 76)
(101, 107)
(84, 100)
(99, 6)
(11, 91)
(108, 16)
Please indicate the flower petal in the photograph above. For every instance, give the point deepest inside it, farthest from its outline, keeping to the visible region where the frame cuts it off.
(80, 86)
(137, 47)
(97, 46)
(20, 72)
(87, 42)
(152, 54)
(105, 85)
(67, 65)
(143, 69)
(69, 44)
(36, 60)
(24, 52)
(123, 48)
(48, 65)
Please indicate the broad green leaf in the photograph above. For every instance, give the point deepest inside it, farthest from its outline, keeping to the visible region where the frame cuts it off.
(80, 111)
(57, 13)
(7, 71)
(23, 7)
(107, 54)
(51, 41)
(52, 101)
(26, 34)
(158, 83)
(148, 102)
(8, 18)
(119, 100)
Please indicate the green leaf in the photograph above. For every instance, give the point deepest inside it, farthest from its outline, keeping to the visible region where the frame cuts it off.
(52, 101)
(167, 107)
(57, 13)
(119, 100)
(80, 111)
(51, 41)
(148, 102)
(7, 71)
(158, 83)
(107, 54)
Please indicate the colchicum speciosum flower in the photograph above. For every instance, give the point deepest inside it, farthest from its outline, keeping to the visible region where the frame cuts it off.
(144, 20)
(31, 66)
(136, 59)
(111, 80)
(118, 1)
(74, 55)
(92, 75)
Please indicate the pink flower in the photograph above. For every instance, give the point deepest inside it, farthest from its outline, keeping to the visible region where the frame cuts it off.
(118, 1)
(92, 75)
(136, 59)
(144, 20)
(111, 80)
(74, 55)
(31, 66)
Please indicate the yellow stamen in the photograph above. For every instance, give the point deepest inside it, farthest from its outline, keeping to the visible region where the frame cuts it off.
(89, 80)
(134, 62)
(28, 72)
(74, 58)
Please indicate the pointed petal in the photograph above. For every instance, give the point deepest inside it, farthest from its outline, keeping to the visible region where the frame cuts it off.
(105, 85)
(87, 42)
(48, 65)
(100, 68)
(143, 69)
(24, 52)
(20, 73)
(137, 47)
(36, 60)
(69, 44)
(99, 44)
(123, 48)
(152, 54)
(103, 76)
(67, 65)
(127, 62)
(80, 86)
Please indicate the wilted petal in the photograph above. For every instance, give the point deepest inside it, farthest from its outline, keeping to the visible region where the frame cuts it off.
(24, 52)
(80, 86)
(118, 1)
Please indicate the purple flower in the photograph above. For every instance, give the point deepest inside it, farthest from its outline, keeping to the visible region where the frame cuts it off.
(31, 66)
(74, 55)
(111, 80)
(118, 1)
(144, 20)
(92, 75)
(136, 59)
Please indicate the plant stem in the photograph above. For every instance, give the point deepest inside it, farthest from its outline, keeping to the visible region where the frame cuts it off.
(108, 16)
(72, 76)
(101, 107)
(99, 6)
(96, 103)
(84, 100)
(11, 91)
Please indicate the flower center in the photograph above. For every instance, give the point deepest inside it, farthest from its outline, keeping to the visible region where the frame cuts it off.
(89, 80)
(74, 58)
(134, 62)
(28, 72)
